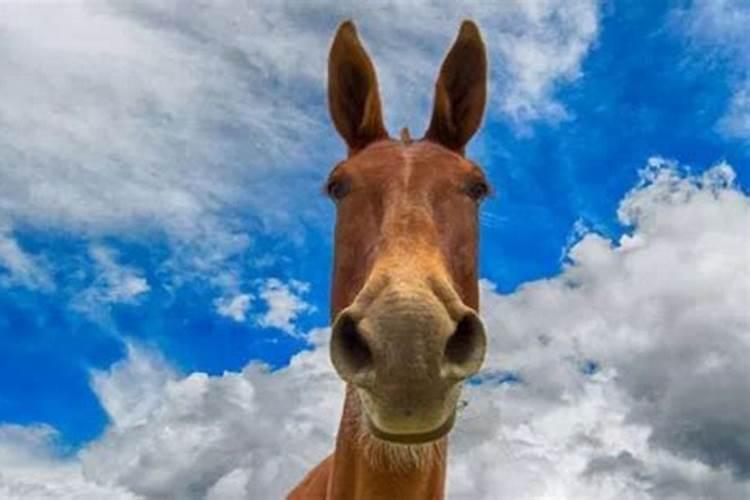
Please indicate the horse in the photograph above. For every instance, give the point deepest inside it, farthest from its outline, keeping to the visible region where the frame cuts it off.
(405, 329)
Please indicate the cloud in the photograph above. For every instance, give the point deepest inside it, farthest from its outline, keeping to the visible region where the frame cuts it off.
(274, 304)
(240, 435)
(234, 307)
(199, 130)
(736, 122)
(629, 381)
(131, 389)
(661, 315)
(717, 30)
(283, 303)
(18, 267)
(113, 283)
(30, 467)
(116, 283)
(130, 118)
(120, 124)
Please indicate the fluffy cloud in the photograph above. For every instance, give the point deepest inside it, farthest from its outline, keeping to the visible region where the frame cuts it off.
(245, 435)
(30, 468)
(234, 307)
(622, 378)
(240, 435)
(718, 28)
(283, 304)
(279, 304)
(170, 116)
(633, 379)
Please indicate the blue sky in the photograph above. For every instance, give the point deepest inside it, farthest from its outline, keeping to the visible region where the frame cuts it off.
(185, 217)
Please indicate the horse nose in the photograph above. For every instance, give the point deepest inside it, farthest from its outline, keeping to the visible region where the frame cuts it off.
(351, 354)
(455, 348)
(465, 348)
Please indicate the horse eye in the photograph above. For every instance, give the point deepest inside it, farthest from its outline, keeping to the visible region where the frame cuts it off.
(478, 190)
(338, 189)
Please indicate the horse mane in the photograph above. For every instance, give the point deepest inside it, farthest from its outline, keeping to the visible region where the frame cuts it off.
(406, 136)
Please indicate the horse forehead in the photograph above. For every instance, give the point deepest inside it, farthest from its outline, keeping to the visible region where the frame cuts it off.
(417, 162)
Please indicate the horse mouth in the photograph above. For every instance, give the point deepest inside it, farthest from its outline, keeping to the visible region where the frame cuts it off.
(413, 438)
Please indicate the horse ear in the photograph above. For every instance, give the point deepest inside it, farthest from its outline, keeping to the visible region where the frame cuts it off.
(460, 91)
(353, 98)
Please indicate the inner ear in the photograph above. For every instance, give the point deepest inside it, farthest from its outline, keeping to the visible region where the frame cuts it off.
(353, 98)
(460, 91)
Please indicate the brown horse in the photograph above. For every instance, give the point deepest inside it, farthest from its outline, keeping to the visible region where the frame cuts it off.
(405, 295)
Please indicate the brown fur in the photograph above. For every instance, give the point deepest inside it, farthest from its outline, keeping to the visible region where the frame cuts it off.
(406, 255)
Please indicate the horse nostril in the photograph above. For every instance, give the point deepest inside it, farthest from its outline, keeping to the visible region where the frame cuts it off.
(465, 348)
(350, 352)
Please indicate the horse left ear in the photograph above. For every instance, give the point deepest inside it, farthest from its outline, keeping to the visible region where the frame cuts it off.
(460, 91)
(353, 98)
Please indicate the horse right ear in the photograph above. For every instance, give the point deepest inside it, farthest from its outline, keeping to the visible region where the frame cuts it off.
(353, 98)
(460, 91)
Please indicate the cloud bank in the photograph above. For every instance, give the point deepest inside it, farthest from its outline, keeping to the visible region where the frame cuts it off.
(624, 377)
(170, 116)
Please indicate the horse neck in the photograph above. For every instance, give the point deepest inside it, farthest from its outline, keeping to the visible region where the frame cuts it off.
(356, 476)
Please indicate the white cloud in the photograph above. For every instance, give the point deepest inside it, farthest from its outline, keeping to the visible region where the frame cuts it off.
(240, 435)
(118, 283)
(113, 283)
(662, 414)
(663, 313)
(235, 307)
(736, 122)
(17, 267)
(185, 118)
(131, 389)
(717, 30)
(533, 45)
(283, 303)
(276, 304)
(30, 468)
(198, 126)
(117, 122)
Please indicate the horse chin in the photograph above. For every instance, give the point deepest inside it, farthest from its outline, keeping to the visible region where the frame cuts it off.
(429, 436)
(402, 452)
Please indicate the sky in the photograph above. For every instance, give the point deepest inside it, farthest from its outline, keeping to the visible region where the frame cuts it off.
(165, 250)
